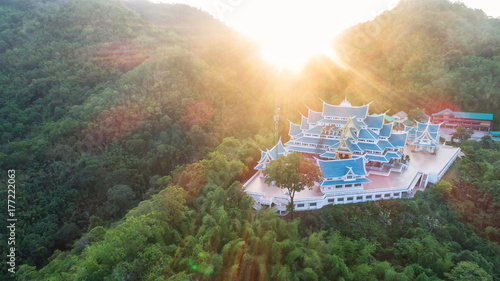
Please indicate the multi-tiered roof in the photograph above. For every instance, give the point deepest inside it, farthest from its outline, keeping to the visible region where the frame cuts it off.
(425, 134)
(347, 130)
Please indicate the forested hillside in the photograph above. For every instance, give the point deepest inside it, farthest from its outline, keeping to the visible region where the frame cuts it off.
(98, 103)
(131, 125)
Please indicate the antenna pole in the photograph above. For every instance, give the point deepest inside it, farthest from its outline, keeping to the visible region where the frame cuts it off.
(276, 123)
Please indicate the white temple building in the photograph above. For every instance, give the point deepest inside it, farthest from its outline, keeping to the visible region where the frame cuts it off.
(423, 137)
(361, 158)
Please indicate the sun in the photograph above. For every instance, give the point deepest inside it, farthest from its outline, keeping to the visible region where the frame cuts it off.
(290, 33)
(291, 47)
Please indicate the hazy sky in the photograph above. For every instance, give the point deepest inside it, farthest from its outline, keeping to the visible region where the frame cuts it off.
(283, 27)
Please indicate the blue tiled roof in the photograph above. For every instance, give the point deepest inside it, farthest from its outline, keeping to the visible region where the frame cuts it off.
(369, 146)
(377, 158)
(375, 121)
(433, 136)
(473, 115)
(329, 121)
(314, 116)
(386, 130)
(306, 149)
(391, 154)
(467, 115)
(328, 155)
(367, 134)
(329, 142)
(337, 182)
(281, 150)
(339, 168)
(398, 140)
(410, 130)
(432, 128)
(345, 111)
(316, 130)
(308, 140)
(294, 129)
(259, 167)
(304, 125)
(353, 146)
(353, 133)
(315, 141)
(383, 144)
(358, 124)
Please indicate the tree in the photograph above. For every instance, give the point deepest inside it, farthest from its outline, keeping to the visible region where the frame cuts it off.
(466, 270)
(462, 134)
(120, 199)
(417, 115)
(292, 172)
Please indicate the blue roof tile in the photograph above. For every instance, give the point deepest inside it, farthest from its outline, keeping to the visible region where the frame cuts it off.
(467, 115)
(391, 154)
(314, 116)
(306, 149)
(383, 144)
(345, 111)
(367, 134)
(339, 168)
(332, 122)
(316, 130)
(386, 130)
(328, 155)
(398, 140)
(374, 121)
(304, 125)
(377, 158)
(353, 147)
(281, 150)
(369, 146)
(294, 129)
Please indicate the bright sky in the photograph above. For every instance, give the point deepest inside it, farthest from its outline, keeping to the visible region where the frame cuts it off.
(283, 27)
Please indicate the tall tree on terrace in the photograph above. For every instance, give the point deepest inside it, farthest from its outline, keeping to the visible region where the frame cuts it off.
(294, 173)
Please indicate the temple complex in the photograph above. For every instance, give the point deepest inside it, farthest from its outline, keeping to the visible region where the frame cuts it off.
(361, 157)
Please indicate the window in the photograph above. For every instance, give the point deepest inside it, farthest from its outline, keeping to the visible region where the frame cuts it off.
(387, 195)
(348, 185)
(312, 204)
(331, 200)
(338, 186)
(300, 205)
(396, 194)
(358, 184)
(368, 197)
(378, 196)
(350, 198)
(340, 200)
(359, 198)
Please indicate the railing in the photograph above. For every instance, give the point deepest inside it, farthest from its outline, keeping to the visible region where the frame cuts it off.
(447, 166)
(251, 179)
(255, 193)
(413, 183)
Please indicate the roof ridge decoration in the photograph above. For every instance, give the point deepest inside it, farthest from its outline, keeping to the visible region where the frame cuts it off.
(345, 103)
